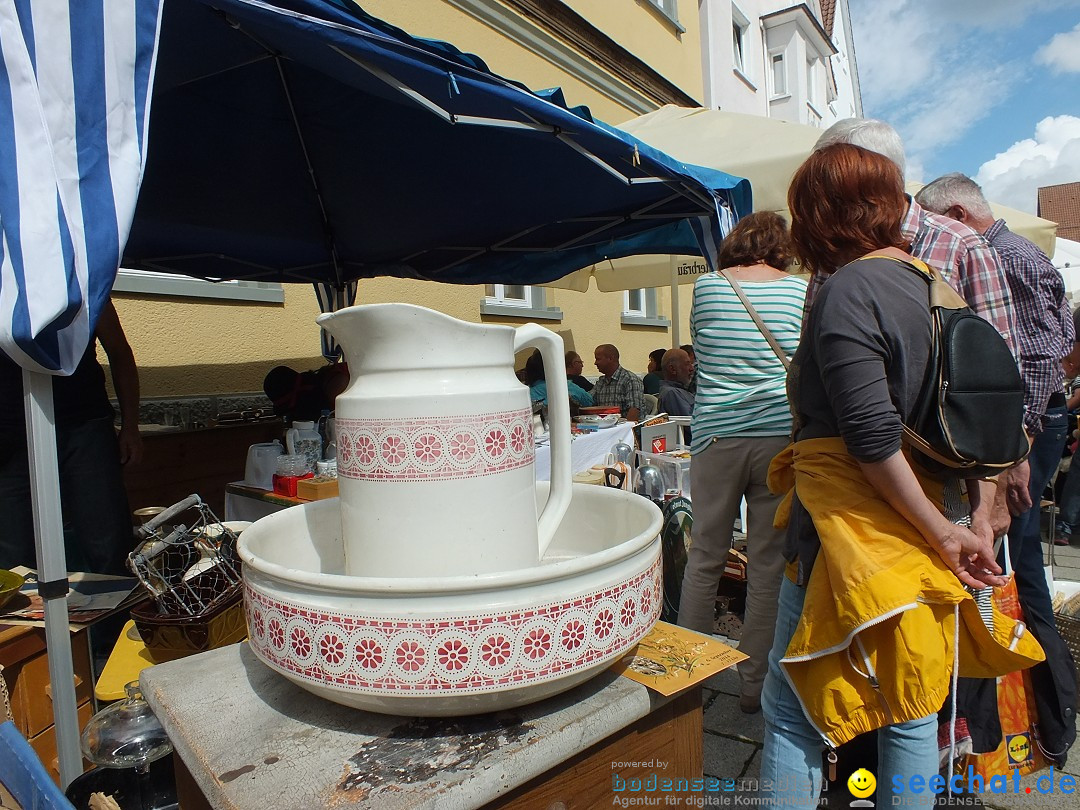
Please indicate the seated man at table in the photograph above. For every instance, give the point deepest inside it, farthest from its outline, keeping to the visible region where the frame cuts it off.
(537, 382)
(617, 387)
(675, 396)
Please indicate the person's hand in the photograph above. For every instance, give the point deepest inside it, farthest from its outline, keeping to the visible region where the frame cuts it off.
(1018, 482)
(1000, 517)
(131, 445)
(969, 555)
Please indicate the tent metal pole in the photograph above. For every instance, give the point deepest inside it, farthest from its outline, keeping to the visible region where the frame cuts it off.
(675, 315)
(52, 565)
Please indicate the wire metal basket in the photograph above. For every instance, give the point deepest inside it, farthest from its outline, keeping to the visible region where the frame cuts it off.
(189, 568)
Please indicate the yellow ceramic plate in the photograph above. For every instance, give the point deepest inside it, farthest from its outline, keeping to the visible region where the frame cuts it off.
(10, 582)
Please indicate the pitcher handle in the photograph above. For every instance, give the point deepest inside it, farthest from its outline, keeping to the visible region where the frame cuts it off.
(551, 349)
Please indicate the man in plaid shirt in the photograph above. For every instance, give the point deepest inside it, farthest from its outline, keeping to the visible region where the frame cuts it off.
(617, 386)
(1045, 337)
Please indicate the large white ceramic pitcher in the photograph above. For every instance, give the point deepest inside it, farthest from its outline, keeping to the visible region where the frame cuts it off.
(435, 444)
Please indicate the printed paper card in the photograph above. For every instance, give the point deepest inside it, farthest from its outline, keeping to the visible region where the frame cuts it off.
(670, 659)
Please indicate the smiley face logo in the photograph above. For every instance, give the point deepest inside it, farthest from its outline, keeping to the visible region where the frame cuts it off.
(861, 783)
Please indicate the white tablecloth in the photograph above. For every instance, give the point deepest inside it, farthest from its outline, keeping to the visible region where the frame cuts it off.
(586, 449)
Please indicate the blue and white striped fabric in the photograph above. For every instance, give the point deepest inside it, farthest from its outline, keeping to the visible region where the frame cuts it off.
(333, 297)
(75, 80)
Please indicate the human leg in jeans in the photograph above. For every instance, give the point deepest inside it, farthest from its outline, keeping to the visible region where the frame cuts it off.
(1068, 521)
(765, 570)
(791, 761)
(1025, 543)
(718, 478)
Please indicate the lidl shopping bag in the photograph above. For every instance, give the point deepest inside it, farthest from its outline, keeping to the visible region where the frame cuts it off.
(1019, 748)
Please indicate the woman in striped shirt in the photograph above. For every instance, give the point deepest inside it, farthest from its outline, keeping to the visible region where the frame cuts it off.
(740, 421)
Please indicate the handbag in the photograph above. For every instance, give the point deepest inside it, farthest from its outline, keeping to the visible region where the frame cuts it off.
(969, 419)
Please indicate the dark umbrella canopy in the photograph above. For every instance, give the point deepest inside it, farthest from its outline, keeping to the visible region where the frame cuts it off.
(307, 141)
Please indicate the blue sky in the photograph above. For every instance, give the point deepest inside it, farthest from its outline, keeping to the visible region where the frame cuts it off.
(990, 88)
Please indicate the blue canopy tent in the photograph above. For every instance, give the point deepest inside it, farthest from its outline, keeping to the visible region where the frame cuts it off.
(304, 140)
(301, 140)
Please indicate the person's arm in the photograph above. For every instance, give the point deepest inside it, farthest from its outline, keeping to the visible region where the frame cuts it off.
(125, 377)
(969, 556)
(636, 400)
(1041, 371)
(985, 522)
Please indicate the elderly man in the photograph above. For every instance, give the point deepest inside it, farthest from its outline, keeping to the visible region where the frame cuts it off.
(676, 398)
(617, 386)
(1045, 336)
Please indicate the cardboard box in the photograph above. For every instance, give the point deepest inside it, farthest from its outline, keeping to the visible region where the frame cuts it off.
(316, 489)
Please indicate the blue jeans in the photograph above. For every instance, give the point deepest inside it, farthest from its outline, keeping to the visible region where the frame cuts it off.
(792, 758)
(1025, 541)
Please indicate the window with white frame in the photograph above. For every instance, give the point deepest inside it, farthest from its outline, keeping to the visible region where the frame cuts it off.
(740, 41)
(811, 81)
(778, 73)
(510, 295)
(518, 301)
(147, 282)
(670, 9)
(640, 309)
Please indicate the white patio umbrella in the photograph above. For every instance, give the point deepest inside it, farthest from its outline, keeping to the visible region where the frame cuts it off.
(766, 151)
(74, 101)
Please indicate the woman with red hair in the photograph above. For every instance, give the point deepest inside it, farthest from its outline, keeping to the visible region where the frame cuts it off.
(873, 619)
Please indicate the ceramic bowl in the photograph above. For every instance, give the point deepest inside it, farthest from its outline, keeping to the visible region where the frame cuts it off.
(452, 645)
(10, 583)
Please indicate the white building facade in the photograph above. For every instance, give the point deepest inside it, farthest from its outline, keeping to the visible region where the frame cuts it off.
(771, 58)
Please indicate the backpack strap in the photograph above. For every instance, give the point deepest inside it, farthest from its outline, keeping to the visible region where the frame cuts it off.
(942, 295)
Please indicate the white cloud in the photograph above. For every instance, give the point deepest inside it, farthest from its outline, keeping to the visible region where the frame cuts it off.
(928, 75)
(1052, 156)
(990, 14)
(944, 115)
(894, 34)
(938, 71)
(1062, 53)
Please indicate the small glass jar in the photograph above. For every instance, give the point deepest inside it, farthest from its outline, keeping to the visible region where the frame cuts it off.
(291, 467)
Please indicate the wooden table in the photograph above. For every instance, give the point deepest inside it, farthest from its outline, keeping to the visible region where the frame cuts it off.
(246, 738)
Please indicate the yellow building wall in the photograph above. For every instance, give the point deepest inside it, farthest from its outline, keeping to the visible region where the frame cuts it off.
(196, 346)
(646, 32)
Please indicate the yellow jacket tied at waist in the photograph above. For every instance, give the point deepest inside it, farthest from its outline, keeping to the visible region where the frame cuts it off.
(875, 643)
